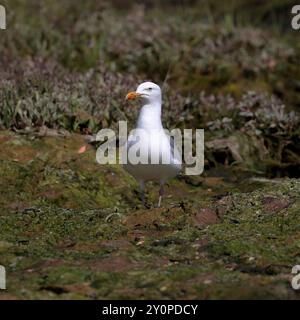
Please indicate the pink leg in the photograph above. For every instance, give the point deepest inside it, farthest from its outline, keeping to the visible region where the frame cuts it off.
(161, 193)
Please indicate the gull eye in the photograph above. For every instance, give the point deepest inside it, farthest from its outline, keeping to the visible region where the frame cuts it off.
(149, 89)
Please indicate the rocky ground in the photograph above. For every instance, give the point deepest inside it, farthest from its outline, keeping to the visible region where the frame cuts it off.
(72, 229)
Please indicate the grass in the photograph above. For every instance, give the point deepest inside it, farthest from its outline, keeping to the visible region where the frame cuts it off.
(72, 229)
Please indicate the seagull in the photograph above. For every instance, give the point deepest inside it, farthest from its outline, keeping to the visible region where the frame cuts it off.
(151, 136)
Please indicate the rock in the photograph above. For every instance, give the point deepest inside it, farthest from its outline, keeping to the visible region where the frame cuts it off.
(230, 143)
(205, 217)
(274, 205)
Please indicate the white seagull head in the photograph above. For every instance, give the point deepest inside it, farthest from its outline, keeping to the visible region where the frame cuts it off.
(148, 92)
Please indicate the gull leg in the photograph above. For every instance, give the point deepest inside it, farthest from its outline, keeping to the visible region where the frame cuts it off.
(161, 193)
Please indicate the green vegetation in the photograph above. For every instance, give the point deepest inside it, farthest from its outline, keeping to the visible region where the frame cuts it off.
(69, 66)
(70, 228)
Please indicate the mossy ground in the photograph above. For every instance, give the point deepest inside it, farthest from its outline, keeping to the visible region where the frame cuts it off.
(73, 229)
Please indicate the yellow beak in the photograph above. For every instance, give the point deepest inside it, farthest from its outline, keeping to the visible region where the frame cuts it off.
(132, 95)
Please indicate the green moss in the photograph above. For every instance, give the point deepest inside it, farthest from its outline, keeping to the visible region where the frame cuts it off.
(87, 239)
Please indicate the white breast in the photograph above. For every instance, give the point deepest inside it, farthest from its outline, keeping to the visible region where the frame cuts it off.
(156, 157)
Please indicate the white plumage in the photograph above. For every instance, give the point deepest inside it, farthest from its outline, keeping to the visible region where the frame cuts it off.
(157, 152)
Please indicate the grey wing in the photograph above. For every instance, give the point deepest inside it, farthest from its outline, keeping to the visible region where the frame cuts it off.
(132, 139)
